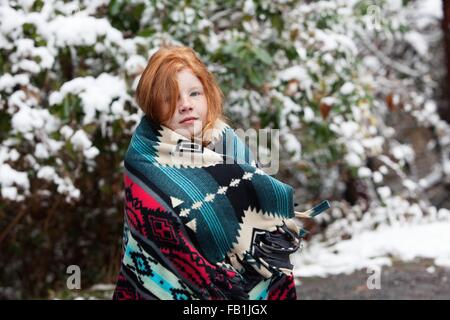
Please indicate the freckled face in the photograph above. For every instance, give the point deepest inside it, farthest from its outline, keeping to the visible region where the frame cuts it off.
(191, 110)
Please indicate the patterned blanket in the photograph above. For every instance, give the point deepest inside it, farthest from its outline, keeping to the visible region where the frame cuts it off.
(203, 222)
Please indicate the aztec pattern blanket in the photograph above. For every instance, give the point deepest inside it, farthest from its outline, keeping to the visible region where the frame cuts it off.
(203, 222)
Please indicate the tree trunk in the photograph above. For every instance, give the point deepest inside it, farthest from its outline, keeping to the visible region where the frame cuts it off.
(445, 107)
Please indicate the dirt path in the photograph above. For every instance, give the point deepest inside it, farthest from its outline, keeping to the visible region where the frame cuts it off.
(400, 281)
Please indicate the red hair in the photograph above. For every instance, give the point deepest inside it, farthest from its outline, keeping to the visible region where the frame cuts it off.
(157, 91)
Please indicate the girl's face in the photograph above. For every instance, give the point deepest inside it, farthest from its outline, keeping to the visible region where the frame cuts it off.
(191, 109)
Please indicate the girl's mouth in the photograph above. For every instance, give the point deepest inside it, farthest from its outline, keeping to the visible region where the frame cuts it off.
(188, 120)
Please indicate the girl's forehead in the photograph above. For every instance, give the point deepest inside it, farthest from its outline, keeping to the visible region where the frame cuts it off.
(188, 81)
(186, 74)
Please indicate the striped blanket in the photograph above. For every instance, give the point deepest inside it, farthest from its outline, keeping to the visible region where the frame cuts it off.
(203, 222)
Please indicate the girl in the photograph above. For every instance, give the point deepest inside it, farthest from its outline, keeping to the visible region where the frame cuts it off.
(202, 221)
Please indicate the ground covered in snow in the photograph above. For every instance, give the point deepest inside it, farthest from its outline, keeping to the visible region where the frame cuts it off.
(376, 248)
(402, 261)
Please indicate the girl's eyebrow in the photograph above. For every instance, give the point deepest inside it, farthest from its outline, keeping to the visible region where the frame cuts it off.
(196, 87)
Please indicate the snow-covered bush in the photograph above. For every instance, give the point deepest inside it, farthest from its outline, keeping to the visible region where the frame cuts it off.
(328, 74)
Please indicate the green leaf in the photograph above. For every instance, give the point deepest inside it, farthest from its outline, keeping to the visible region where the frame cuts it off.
(5, 124)
(263, 55)
(90, 128)
(114, 7)
(291, 52)
(255, 77)
(37, 5)
(29, 30)
(147, 32)
(277, 22)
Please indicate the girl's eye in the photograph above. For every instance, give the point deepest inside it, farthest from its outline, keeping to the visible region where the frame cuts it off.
(195, 92)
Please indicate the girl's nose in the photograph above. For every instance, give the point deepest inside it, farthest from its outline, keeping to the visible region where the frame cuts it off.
(185, 105)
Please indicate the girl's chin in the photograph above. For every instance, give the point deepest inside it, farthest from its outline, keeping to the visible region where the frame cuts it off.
(188, 132)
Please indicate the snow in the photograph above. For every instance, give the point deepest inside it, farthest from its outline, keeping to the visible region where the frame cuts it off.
(374, 144)
(431, 269)
(376, 248)
(30, 119)
(430, 107)
(394, 4)
(14, 155)
(7, 81)
(28, 57)
(328, 100)
(91, 153)
(26, 65)
(428, 12)
(203, 24)
(418, 42)
(433, 177)
(11, 24)
(9, 193)
(23, 120)
(96, 93)
(377, 177)
(249, 7)
(47, 173)
(409, 184)
(292, 145)
(384, 192)
(353, 159)
(80, 29)
(443, 262)
(347, 88)
(189, 15)
(294, 73)
(53, 145)
(348, 129)
(135, 64)
(9, 176)
(383, 169)
(332, 41)
(80, 140)
(65, 186)
(356, 147)
(24, 47)
(328, 58)
(308, 114)
(364, 172)
(102, 287)
(41, 151)
(403, 151)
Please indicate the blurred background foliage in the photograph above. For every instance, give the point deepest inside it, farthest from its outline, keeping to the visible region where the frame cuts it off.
(355, 88)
